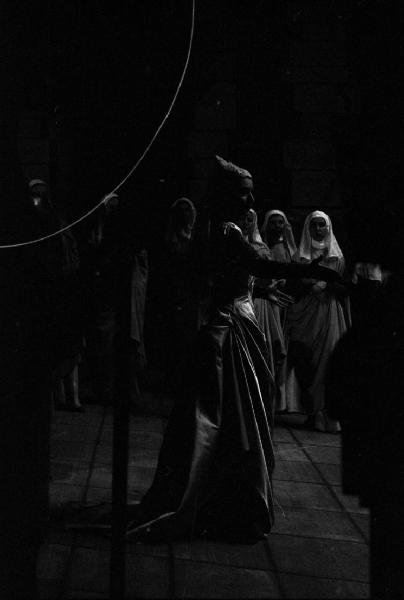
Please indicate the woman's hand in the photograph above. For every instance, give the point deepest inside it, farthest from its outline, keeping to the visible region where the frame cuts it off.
(277, 297)
(280, 283)
(316, 271)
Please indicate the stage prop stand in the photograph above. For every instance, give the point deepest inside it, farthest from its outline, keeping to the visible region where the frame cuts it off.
(121, 420)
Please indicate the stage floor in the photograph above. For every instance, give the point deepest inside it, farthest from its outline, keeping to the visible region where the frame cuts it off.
(319, 546)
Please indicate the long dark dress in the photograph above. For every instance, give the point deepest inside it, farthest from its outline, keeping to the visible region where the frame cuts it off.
(215, 466)
(177, 313)
(29, 294)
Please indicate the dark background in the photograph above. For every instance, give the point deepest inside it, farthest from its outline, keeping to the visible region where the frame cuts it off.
(102, 74)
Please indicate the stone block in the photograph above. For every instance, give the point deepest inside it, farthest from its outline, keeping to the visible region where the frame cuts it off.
(198, 190)
(63, 493)
(76, 432)
(315, 188)
(68, 472)
(320, 558)
(216, 110)
(281, 434)
(331, 473)
(314, 438)
(205, 144)
(298, 586)
(148, 576)
(204, 580)
(317, 125)
(317, 98)
(36, 171)
(98, 495)
(314, 19)
(52, 561)
(324, 454)
(254, 556)
(217, 66)
(351, 99)
(300, 494)
(80, 452)
(287, 470)
(299, 74)
(309, 154)
(317, 54)
(33, 150)
(89, 570)
(203, 168)
(148, 423)
(150, 440)
(30, 125)
(289, 452)
(309, 522)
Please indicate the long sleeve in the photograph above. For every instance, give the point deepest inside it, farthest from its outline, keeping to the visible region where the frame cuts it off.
(261, 267)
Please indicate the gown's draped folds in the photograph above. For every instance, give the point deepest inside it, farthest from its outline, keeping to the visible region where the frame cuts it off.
(215, 465)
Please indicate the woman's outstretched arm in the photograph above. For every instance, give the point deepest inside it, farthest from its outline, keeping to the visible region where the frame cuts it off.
(264, 268)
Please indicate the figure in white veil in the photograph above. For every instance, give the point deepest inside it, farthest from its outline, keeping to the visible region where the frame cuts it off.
(315, 323)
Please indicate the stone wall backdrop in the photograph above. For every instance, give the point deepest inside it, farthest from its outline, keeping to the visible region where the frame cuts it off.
(306, 94)
(274, 86)
(316, 78)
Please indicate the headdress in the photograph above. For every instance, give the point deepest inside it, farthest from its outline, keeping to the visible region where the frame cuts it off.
(231, 171)
(288, 231)
(177, 226)
(229, 188)
(255, 237)
(330, 242)
(35, 182)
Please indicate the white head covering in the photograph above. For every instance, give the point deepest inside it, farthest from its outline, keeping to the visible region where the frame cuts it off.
(288, 231)
(307, 243)
(188, 202)
(35, 182)
(174, 232)
(255, 236)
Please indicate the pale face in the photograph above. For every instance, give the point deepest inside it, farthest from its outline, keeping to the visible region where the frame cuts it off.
(39, 190)
(276, 227)
(245, 189)
(318, 229)
(186, 216)
(39, 196)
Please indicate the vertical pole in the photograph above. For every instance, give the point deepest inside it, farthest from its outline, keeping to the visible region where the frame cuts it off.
(119, 497)
(120, 443)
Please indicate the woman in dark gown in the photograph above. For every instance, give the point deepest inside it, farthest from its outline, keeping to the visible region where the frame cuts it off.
(178, 310)
(214, 474)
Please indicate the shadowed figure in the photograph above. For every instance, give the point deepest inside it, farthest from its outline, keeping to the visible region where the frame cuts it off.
(316, 322)
(270, 303)
(214, 474)
(364, 384)
(30, 280)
